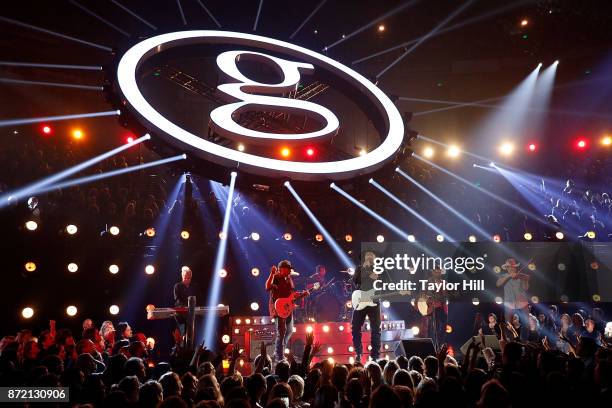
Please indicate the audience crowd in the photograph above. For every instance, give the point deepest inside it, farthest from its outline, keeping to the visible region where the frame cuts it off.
(561, 361)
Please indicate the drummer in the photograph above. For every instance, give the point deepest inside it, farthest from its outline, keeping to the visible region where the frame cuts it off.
(320, 277)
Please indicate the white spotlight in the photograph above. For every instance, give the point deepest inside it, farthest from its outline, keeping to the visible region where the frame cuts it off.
(380, 238)
(255, 236)
(114, 309)
(254, 306)
(440, 238)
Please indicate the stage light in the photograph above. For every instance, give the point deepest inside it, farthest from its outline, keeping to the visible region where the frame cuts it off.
(185, 234)
(499, 300)
(309, 329)
(363, 152)
(386, 304)
(287, 236)
(255, 236)
(506, 148)
(440, 238)
(71, 229)
(330, 350)
(114, 269)
(222, 235)
(472, 238)
(581, 144)
(381, 28)
(254, 306)
(129, 139)
(341, 328)
(255, 272)
(241, 147)
(380, 238)
(449, 328)
(325, 329)
(475, 301)
(351, 349)
(319, 238)
(532, 147)
(73, 267)
(310, 152)
(411, 238)
(247, 321)
(348, 238)
(149, 269)
(46, 129)
(527, 236)
(77, 134)
(496, 238)
(351, 360)
(27, 312)
(524, 22)
(150, 232)
(31, 225)
(30, 266)
(71, 311)
(222, 273)
(285, 152)
(428, 152)
(114, 230)
(590, 234)
(225, 339)
(453, 151)
(415, 330)
(559, 235)
(113, 309)
(606, 141)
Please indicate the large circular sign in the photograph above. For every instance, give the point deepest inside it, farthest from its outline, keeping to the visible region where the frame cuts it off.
(221, 121)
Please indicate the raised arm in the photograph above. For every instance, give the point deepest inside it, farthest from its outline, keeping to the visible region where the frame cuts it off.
(269, 284)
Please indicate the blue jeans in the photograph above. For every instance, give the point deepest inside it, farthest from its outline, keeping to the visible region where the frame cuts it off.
(373, 313)
(284, 331)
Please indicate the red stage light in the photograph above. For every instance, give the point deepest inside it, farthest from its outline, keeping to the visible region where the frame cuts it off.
(532, 147)
(310, 152)
(582, 143)
(130, 139)
(46, 129)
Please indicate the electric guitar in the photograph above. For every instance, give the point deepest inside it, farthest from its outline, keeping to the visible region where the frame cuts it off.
(284, 306)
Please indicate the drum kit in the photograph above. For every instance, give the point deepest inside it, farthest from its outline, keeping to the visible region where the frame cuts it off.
(331, 303)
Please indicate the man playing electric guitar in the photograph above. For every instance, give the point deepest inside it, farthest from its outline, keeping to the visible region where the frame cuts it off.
(280, 285)
(372, 311)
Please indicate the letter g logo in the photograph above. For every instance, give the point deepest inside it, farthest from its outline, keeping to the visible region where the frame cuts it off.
(222, 117)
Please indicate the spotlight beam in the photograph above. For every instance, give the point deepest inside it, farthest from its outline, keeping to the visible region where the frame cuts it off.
(26, 121)
(213, 297)
(99, 17)
(472, 225)
(497, 198)
(370, 212)
(130, 12)
(64, 36)
(307, 19)
(56, 66)
(36, 186)
(453, 27)
(50, 84)
(346, 261)
(212, 17)
(180, 8)
(427, 36)
(108, 174)
(258, 14)
(372, 23)
(406, 207)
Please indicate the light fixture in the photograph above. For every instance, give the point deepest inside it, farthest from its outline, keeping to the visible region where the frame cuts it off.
(73, 267)
(380, 238)
(31, 225)
(27, 312)
(255, 236)
(185, 234)
(255, 272)
(149, 269)
(71, 229)
(113, 309)
(114, 230)
(114, 269)
(71, 311)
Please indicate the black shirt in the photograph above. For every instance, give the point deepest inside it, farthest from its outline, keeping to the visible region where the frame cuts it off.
(182, 292)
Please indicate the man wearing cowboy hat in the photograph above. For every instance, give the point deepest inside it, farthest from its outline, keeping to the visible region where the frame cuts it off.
(516, 300)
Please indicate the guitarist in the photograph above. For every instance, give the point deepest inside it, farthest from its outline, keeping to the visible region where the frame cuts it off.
(366, 273)
(280, 285)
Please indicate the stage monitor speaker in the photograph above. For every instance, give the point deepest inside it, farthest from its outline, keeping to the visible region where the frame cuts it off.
(490, 340)
(415, 347)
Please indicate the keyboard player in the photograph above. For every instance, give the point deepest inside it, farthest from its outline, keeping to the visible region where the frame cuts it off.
(182, 290)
